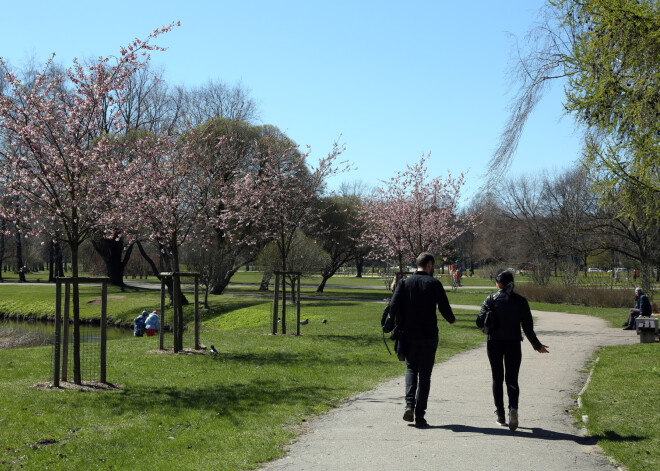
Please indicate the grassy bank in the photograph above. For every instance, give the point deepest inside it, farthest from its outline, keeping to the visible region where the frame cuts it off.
(623, 405)
(231, 411)
(38, 302)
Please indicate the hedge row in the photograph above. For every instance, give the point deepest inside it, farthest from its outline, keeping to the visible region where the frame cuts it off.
(591, 297)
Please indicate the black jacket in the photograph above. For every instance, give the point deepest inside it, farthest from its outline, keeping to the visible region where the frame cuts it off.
(510, 313)
(414, 303)
(644, 305)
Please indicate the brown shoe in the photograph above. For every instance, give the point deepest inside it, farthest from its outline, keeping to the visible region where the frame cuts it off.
(409, 414)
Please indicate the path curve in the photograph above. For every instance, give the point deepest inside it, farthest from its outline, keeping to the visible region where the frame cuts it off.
(368, 433)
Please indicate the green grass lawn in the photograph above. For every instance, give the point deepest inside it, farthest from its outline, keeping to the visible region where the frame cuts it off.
(239, 409)
(623, 405)
(229, 412)
(32, 277)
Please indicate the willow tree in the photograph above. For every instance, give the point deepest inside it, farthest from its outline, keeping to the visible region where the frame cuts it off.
(608, 53)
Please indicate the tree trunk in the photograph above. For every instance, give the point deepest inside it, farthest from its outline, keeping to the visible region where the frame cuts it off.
(321, 285)
(51, 262)
(59, 266)
(283, 292)
(19, 257)
(77, 377)
(169, 282)
(178, 295)
(115, 258)
(219, 286)
(3, 228)
(221, 281)
(265, 280)
(359, 265)
(645, 273)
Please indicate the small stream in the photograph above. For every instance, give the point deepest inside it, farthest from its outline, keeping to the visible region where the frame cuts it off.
(16, 334)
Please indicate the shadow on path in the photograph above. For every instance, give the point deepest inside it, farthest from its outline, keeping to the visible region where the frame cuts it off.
(539, 434)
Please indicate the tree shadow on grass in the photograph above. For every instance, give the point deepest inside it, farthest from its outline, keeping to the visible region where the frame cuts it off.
(266, 358)
(230, 400)
(325, 304)
(541, 434)
(217, 310)
(323, 355)
(351, 340)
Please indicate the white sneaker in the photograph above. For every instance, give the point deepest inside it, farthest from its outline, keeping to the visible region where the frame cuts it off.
(513, 419)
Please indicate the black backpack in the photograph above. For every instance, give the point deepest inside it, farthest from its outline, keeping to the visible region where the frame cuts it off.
(490, 320)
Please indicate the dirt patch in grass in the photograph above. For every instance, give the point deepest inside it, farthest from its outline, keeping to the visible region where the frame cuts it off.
(86, 386)
(15, 338)
(112, 297)
(185, 351)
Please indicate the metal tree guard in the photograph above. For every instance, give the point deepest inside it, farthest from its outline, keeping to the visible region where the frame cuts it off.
(64, 347)
(296, 280)
(177, 308)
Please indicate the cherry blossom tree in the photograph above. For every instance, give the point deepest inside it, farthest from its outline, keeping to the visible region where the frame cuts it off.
(224, 149)
(59, 162)
(412, 213)
(278, 197)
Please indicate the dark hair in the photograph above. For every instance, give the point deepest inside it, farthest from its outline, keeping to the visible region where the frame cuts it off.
(504, 277)
(424, 258)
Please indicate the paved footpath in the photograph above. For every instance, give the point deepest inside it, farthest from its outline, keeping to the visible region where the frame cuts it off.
(368, 433)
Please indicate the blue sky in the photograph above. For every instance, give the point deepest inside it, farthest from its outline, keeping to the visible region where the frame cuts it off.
(394, 78)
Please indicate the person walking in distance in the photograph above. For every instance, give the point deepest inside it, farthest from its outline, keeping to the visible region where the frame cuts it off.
(504, 343)
(416, 323)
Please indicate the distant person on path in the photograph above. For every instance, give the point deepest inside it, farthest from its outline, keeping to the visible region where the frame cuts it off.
(457, 277)
(396, 280)
(139, 325)
(152, 324)
(504, 343)
(642, 309)
(414, 303)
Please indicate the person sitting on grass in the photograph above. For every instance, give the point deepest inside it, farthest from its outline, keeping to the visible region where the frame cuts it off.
(152, 324)
(641, 309)
(139, 324)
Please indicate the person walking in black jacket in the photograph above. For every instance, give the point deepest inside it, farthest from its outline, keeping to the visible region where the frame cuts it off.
(504, 343)
(413, 304)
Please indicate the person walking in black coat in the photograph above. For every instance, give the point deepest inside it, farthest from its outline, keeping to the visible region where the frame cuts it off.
(504, 343)
(414, 306)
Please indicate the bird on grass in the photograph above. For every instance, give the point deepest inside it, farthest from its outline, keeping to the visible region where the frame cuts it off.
(325, 321)
(213, 351)
(306, 321)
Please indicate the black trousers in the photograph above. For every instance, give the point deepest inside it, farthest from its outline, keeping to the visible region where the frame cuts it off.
(420, 358)
(505, 357)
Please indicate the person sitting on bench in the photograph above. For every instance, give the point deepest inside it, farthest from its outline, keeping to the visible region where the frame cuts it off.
(642, 308)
